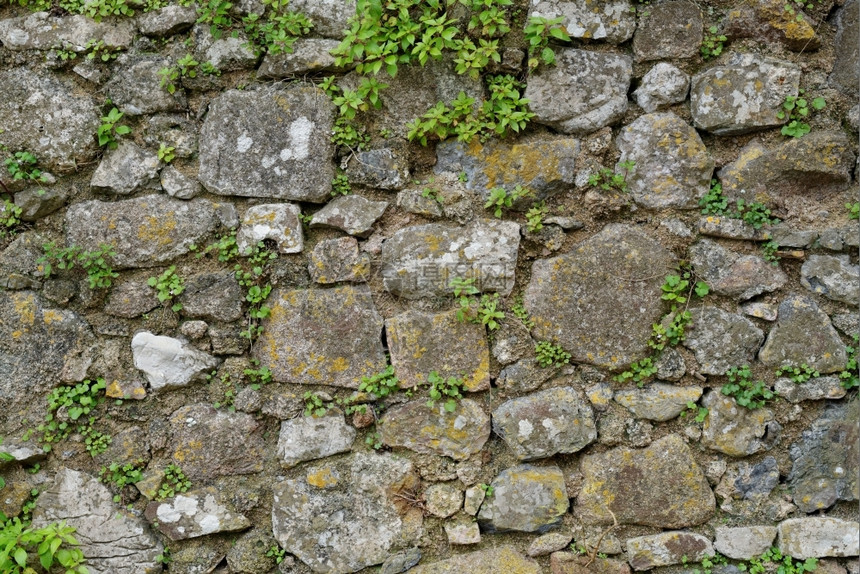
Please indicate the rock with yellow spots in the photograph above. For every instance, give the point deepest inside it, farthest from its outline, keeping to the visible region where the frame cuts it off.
(825, 459)
(126, 169)
(525, 498)
(322, 336)
(735, 430)
(670, 29)
(833, 277)
(196, 513)
(276, 221)
(769, 21)
(144, 231)
(744, 95)
(667, 548)
(311, 437)
(721, 340)
(658, 401)
(336, 260)
(846, 68)
(610, 20)
(599, 301)
(733, 274)
(309, 55)
(662, 86)
(545, 423)
(729, 228)
(434, 430)
(351, 214)
(803, 334)
(672, 167)
(491, 561)
(678, 494)
(818, 537)
(420, 343)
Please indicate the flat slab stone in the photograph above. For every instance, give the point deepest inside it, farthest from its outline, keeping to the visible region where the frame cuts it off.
(545, 423)
(310, 437)
(330, 17)
(729, 273)
(278, 222)
(667, 548)
(735, 430)
(420, 261)
(136, 89)
(144, 231)
(434, 430)
(126, 169)
(167, 21)
(193, 514)
(570, 563)
(420, 343)
(269, 143)
(525, 498)
(819, 537)
(213, 296)
(812, 390)
(351, 214)
(833, 277)
(336, 260)
(41, 31)
(617, 478)
(598, 301)
(309, 55)
(743, 96)
(583, 92)
(490, 561)
(672, 166)
(744, 542)
(721, 340)
(846, 67)
(658, 401)
(167, 362)
(612, 20)
(380, 168)
(668, 30)
(718, 226)
(322, 336)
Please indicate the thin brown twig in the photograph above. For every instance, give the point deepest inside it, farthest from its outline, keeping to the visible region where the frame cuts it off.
(593, 554)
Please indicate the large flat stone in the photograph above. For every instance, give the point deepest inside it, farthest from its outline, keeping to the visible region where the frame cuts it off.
(735, 430)
(41, 31)
(168, 362)
(730, 273)
(525, 498)
(744, 542)
(136, 88)
(819, 537)
(609, 20)
(491, 561)
(721, 340)
(196, 513)
(667, 30)
(846, 67)
(658, 401)
(310, 437)
(833, 277)
(769, 21)
(667, 548)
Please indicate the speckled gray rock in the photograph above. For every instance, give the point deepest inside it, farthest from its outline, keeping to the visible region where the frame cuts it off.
(310, 437)
(612, 20)
(414, 201)
(667, 548)
(729, 228)
(136, 86)
(583, 92)
(46, 117)
(309, 55)
(721, 340)
(812, 390)
(126, 169)
(769, 21)
(41, 31)
(833, 277)
(322, 336)
(670, 29)
(524, 376)
(420, 261)
(672, 167)
(525, 498)
(848, 323)
(662, 86)
(549, 543)
(246, 554)
(729, 273)
(382, 168)
(167, 362)
(789, 236)
(276, 221)
(744, 542)
(818, 536)
(743, 96)
(658, 401)
(144, 231)
(586, 302)
(112, 539)
(196, 513)
(213, 296)
(177, 184)
(131, 299)
(545, 423)
(575, 563)
(735, 430)
(461, 531)
(227, 53)
(443, 499)
(401, 561)
(434, 430)
(269, 143)
(825, 459)
(36, 203)
(336, 260)
(167, 21)
(803, 334)
(490, 561)
(330, 17)
(846, 68)
(351, 214)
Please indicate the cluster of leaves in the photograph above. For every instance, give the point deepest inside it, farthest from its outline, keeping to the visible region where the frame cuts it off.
(228, 390)
(258, 375)
(550, 355)
(712, 43)
(315, 405)
(78, 402)
(755, 213)
(488, 489)
(121, 475)
(485, 311)
(797, 109)
(701, 412)
(275, 31)
(774, 559)
(168, 286)
(747, 392)
(109, 129)
(277, 553)
(447, 389)
(166, 153)
(535, 216)
(500, 198)
(98, 50)
(22, 166)
(52, 546)
(799, 374)
(10, 218)
(340, 185)
(639, 372)
(520, 312)
(174, 482)
(606, 179)
(769, 252)
(853, 210)
(798, 5)
(538, 32)
(95, 263)
(349, 103)
(186, 67)
(850, 378)
(95, 9)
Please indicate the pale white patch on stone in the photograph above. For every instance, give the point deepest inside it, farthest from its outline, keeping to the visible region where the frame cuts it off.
(209, 524)
(243, 143)
(526, 429)
(167, 514)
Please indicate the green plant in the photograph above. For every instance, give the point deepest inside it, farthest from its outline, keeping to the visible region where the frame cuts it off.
(277, 553)
(22, 165)
(340, 185)
(797, 109)
(755, 213)
(97, 49)
(258, 376)
(53, 545)
(373, 440)
(168, 285)
(748, 393)
(209, 69)
(769, 252)
(314, 405)
(448, 389)
(538, 31)
(252, 277)
(186, 67)
(535, 216)
(501, 198)
(94, 263)
(521, 313)
(174, 482)
(701, 412)
(225, 247)
(849, 376)
(463, 291)
(432, 194)
(606, 179)
(773, 560)
(639, 372)
(277, 29)
(381, 384)
(799, 374)
(229, 390)
(853, 210)
(345, 134)
(489, 313)
(550, 355)
(109, 130)
(714, 203)
(488, 489)
(78, 402)
(121, 475)
(800, 4)
(164, 557)
(712, 43)
(10, 218)
(166, 153)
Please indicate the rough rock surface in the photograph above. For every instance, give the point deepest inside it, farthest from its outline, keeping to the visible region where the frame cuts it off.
(381, 168)
(570, 563)
(846, 68)
(126, 169)
(729, 273)
(278, 222)
(42, 31)
(658, 401)
(612, 20)
(818, 536)
(310, 437)
(814, 389)
(168, 362)
(136, 87)
(212, 296)
(525, 498)
(167, 21)
(351, 214)
(833, 277)
(744, 542)
(721, 340)
(490, 561)
(667, 548)
(336, 260)
(670, 29)
(769, 20)
(662, 86)
(193, 514)
(735, 430)
(309, 55)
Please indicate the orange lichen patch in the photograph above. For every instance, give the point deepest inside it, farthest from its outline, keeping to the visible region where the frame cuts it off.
(158, 229)
(323, 477)
(188, 452)
(508, 165)
(50, 316)
(25, 307)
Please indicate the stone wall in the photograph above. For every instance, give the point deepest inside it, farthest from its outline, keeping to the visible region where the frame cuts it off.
(597, 419)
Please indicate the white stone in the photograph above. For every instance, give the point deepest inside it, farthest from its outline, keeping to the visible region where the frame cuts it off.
(168, 362)
(278, 221)
(818, 537)
(744, 542)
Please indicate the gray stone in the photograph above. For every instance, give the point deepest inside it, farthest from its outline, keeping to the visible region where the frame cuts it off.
(769, 21)
(846, 67)
(672, 167)
(511, 343)
(833, 277)
(735, 430)
(812, 390)
(196, 513)
(670, 29)
(566, 223)
(764, 311)
(23, 453)
(744, 542)
(570, 563)
(309, 55)
(667, 548)
(743, 96)
(382, 168)
(36, 203)
(612, 21)
(168, 362)
(848, 323)
(825, 459)
(461, 532)
(131, 299)
(322, 336)
(756, 481)
(177, 184)
(335, 260)
(658, 401)
(226, 53)
(721, 340)
(330, 17)
(420, 260)
(474, 498)
(583, 92)
(671, 365)
(787, 236)
(213, 297)
(545, 423)
(491, 561)
(818, 537)
(599, 300)
(729, 273)
(41, 31)
(248, 554)
(136, 86)
(434, 430)
(167, 21)
(525, 498)
(174, 130)
(663, 85)
(351, 214)
(524, 376)
(803, 334)
(310, 437)
(401, 561)
(48, 118)
(269, 143)
(276, 221)
(144, 231)
(443, 500)
(343, 518)
(414, 201)
(719, 226)
(549, 543)
(126, 169)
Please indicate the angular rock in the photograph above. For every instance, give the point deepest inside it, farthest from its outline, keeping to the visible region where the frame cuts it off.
(787, 236)
(168, 362)
(846, 67)
(818, 537)
(721, 340)
(549, 543)
(443, 500)
(803, 334)
(825, 459)
(743, 96)
(735, 430)
(663, 85)
(225, 53)
(570, 563)
(209, 443)
(309, 55)
(126, 169)
(812, 390)
(833, 277)
(733, 274)
(754, 481)
(177, 184)
(744, 542)
(269, 143)
(383, 168)
(420, 343)
(670, 365)
(111, 539)
(310, 437)
(136, 86)
(545, 423)
(277, 221)
(490, 561)
(615, 480)
(335, 260)
(658, 401)
(525, 498)
(213, 297)
(583, 92)
(38, 203)
(670, 29)
(245, 556)
(401, 561)
(434, 430)
(41, 31)
(612, 21)
(330, 17)
(343, 519)
(420, 261)
(769, 20)
(167, 21)
(48, 118)
(196, 513)
(511, 343)
(599, 300)
(462, 532)
(524, 376)
(322, 336)
(144, 231)
(848, 323)
(20, 452)
(672, 167)
(667, 548)
(351, 214)
(414, 201)
(130, 299)
(718, 226)
(763, 311)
